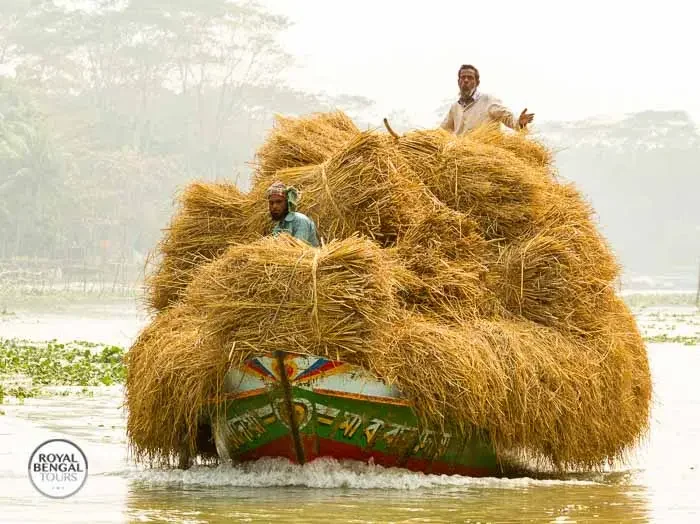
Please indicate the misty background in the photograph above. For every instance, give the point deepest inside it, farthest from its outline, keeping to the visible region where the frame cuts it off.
(109, 107)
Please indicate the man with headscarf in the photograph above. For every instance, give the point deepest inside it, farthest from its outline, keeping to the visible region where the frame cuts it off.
(282, 201)
(475, 108)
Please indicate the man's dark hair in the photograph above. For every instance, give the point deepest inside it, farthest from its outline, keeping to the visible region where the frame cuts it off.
(469, 66)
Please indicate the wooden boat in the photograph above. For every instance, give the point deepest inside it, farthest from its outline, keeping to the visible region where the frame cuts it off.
(302, 408)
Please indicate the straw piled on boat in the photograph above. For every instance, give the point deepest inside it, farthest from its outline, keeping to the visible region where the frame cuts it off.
(557, 271)
(502, 192)
(358, 189)
(175, 369)
(210, 217)
(535, 391)
(458, 268)
(531, 151)
(298, 142)
(446, 253)
(256, 297)
(282, 293)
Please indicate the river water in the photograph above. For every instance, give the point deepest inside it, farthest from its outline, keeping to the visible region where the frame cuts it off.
(659, 483)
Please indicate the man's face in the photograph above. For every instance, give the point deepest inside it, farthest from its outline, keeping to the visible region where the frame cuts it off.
(278, 206)
(467, 81)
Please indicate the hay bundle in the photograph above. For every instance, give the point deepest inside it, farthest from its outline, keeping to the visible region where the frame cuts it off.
(524, 147)
(297, 142)
(361, 189)
(557, 272)
(174, 369)
(531, 389)
(621, 338)
(491, 184)
(275, 293)
(490, 276)
(437, 228)
(449, 258)
(279, 293)
(211, 217)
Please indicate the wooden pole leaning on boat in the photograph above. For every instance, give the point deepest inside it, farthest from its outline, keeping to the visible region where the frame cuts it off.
(184, 458)
(289, 408)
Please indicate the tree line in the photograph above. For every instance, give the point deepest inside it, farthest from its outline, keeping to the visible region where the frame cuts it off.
(108, 106)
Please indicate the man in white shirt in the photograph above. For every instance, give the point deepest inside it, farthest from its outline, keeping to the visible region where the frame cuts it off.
(474, 108)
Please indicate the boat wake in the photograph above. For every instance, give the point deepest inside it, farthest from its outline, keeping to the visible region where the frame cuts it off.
(326, 473)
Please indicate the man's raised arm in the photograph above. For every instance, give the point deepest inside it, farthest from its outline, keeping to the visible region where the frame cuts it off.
(501, 113)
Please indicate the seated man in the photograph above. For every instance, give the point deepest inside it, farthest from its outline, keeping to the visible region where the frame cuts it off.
(474, 109)
(282, 203)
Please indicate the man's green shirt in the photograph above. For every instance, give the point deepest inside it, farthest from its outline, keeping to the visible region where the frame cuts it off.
(299, 226)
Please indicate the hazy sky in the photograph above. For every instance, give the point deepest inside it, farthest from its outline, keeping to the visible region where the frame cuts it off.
(560, 59)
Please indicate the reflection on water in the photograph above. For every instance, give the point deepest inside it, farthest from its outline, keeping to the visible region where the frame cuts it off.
(558, 503)
(661, 483)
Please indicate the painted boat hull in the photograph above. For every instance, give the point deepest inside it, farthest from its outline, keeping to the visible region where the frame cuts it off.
(339, 411)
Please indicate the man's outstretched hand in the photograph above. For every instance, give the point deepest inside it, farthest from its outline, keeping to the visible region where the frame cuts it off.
(525, 118)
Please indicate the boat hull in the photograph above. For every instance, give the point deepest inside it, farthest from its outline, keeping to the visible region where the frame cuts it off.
(303, 408)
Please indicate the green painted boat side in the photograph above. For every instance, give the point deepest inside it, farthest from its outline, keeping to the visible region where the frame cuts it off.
(339, 411)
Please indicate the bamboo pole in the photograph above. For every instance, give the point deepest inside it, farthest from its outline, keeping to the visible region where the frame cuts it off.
(697, 293)
(391, 131)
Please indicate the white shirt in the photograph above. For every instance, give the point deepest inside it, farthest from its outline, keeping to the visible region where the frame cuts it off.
(484, 109)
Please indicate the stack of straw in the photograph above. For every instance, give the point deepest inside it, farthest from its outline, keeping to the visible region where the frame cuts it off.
(502, 192)
(304, 142)
(459, 269)
(254, 298)
(209, 221)
(357, 189)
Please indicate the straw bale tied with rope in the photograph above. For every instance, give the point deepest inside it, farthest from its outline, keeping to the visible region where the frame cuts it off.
(364, 188)
(255, 298)
(456, 267)
(209, 218)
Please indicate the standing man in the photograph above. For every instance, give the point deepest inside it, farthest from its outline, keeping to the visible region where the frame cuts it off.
(474, 108)
(282, 202)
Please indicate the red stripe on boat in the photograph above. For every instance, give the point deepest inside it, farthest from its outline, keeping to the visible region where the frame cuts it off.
(321, 447)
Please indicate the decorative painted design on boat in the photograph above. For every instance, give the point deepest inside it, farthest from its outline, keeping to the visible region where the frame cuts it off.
(315, 373)
(339, 410)
(252, 426)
